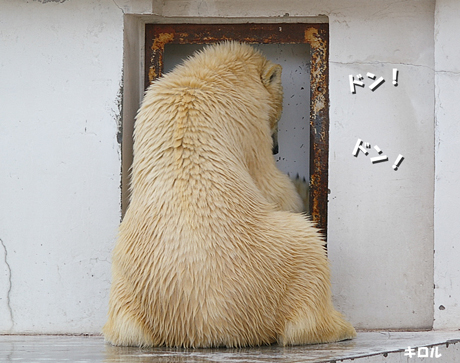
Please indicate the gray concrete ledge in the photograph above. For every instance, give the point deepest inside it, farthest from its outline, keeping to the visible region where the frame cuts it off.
(367, 347)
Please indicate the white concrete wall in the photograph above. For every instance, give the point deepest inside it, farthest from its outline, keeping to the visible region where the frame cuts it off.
(447, 196)
(381, 220)
(60, 160)
(60, 79)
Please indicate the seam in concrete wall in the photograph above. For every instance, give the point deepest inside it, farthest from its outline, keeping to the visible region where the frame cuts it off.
(385, 63)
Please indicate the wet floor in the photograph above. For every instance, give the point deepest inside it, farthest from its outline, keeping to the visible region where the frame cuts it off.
(367, 347)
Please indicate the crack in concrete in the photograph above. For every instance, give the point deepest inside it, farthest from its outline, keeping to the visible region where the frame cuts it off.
(10, 285)
(118, 6)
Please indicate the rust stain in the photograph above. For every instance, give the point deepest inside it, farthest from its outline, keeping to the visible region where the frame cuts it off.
(311, 34)
(319, 124)
(152, 74)
(161, 39)
(154, 53)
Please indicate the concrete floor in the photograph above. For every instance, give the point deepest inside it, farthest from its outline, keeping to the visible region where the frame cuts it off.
(367, 347)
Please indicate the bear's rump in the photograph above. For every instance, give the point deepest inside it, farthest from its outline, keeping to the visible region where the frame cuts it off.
(194, 291)
(191, 303)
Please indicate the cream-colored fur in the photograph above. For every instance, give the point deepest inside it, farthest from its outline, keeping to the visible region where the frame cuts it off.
(211, 251)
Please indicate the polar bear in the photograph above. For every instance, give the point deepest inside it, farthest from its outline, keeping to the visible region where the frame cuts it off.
(211, 251)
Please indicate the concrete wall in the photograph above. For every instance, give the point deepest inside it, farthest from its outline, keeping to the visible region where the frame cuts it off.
(60, 158)
(381, 220)
(447, 196)
(60, 94)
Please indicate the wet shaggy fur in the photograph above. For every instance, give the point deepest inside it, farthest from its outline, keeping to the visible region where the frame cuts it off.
(211, 251)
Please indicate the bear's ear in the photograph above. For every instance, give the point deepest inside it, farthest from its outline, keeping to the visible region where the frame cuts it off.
(271, 73)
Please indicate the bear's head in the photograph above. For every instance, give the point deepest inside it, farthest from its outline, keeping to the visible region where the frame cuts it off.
(247, 76)
(248, 71)
(233, 86)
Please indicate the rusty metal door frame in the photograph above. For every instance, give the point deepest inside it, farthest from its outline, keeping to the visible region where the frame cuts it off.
(316, 35)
